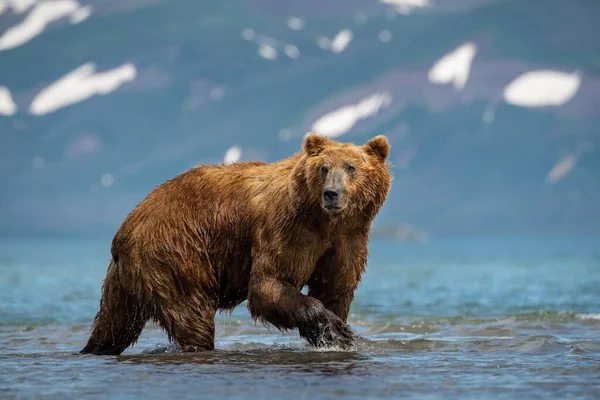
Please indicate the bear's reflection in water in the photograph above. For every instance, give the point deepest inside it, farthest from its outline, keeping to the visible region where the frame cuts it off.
(247, 357)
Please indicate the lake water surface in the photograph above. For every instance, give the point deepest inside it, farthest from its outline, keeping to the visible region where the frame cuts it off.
(451, 318)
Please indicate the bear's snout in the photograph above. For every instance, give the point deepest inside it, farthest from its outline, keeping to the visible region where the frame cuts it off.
(332, 200)
(330, 195)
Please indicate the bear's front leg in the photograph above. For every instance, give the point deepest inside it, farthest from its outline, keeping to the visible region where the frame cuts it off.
(338, 273)
(280, 304)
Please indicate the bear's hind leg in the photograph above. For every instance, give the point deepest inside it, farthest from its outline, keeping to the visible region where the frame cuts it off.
(184, 294)
(119, 322)
(190, 323)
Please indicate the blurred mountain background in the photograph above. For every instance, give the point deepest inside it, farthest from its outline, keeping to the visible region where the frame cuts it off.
(492, 107)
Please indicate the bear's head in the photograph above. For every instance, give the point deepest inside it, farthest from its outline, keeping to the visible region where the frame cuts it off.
(343, 178)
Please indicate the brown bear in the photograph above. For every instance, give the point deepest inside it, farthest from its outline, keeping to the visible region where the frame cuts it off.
(217, 235)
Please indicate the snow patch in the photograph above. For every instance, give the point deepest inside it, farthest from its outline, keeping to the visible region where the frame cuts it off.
(80, 84)
(340, 121)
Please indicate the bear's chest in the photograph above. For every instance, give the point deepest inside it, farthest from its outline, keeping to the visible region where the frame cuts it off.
(301, 256)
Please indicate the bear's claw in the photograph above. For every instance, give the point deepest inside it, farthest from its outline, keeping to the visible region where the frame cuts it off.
(329, 330)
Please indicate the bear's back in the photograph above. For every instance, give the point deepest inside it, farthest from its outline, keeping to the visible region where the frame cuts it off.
(219, 206)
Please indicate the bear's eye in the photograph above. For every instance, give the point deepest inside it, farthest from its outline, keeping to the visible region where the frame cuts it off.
(324, 169)
(350, 168)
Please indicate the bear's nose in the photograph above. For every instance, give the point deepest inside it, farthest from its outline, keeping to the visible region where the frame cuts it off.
(330, 195)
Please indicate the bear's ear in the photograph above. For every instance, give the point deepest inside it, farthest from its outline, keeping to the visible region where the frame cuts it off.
(378, 146)
(313, 144)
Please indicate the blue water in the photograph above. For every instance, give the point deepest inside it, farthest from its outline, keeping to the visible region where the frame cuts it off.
(449, 318)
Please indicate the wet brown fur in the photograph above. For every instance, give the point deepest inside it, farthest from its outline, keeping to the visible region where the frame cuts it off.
(215, 236)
